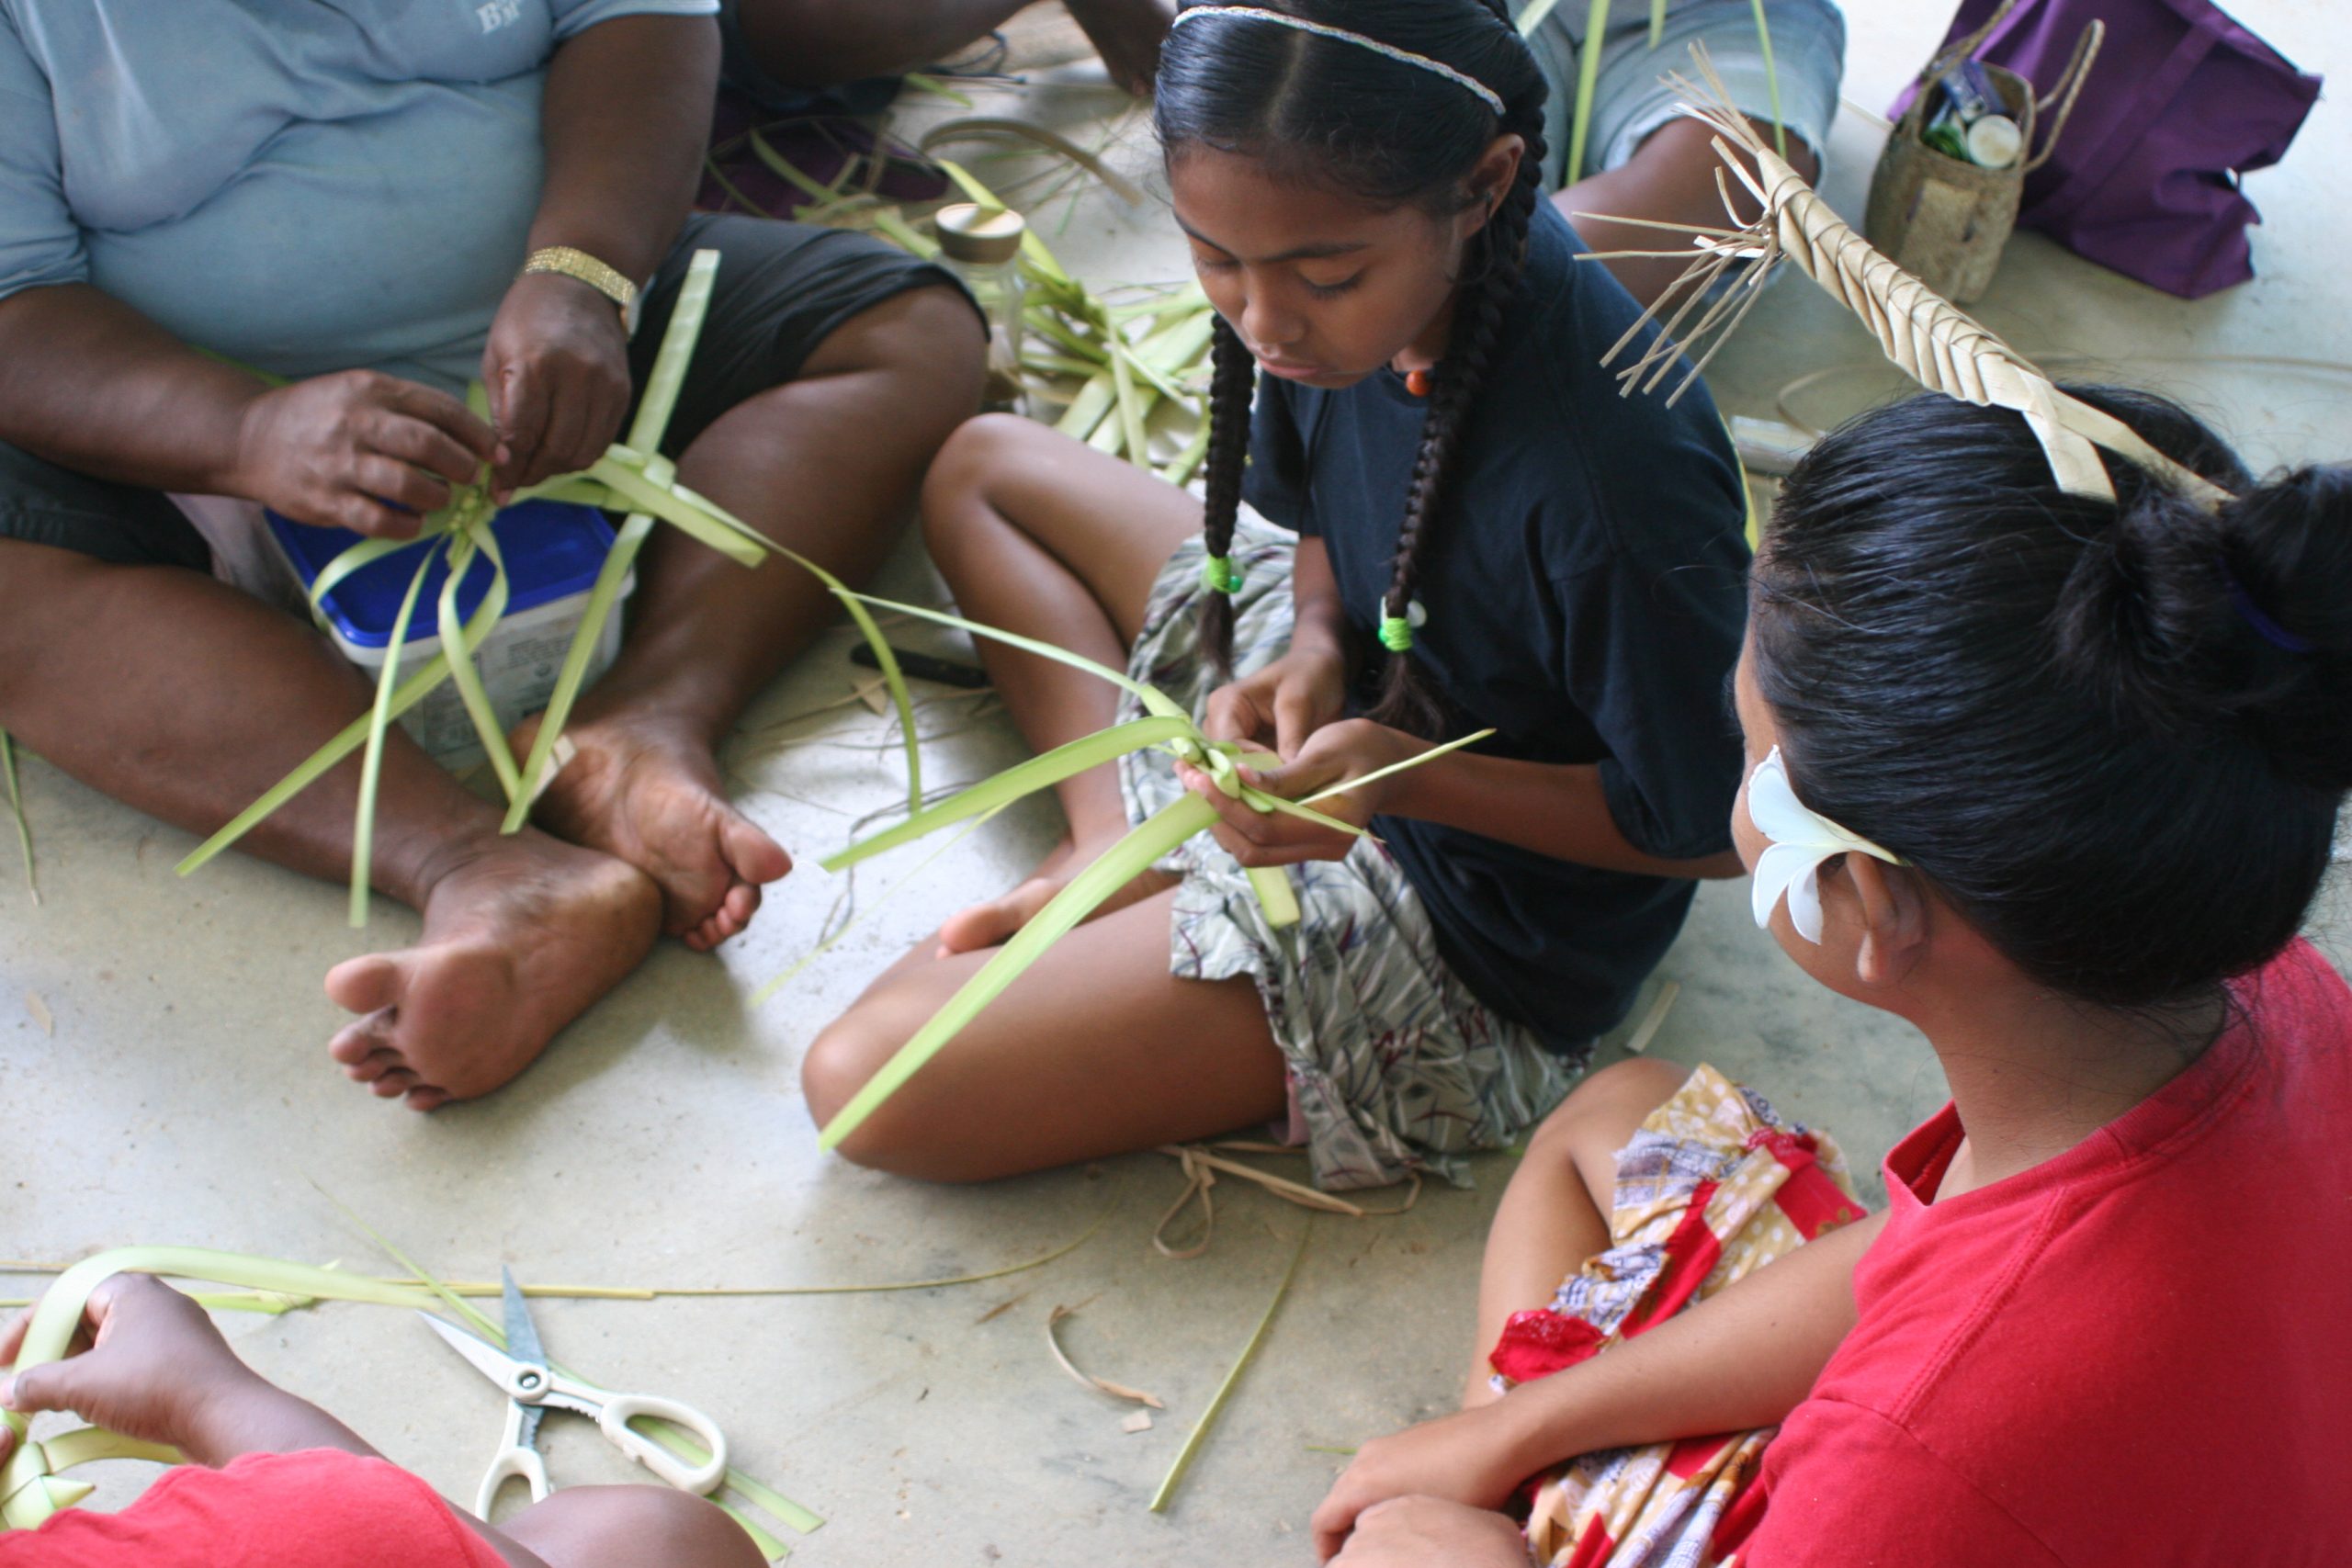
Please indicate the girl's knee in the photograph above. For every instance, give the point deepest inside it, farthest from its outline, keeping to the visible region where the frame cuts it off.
(589, 1527)
(840, 1061)
(959, 476)
(960, 471)
(1611, 1102)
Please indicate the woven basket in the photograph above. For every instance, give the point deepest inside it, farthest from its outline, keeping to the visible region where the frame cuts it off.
(1945, 219)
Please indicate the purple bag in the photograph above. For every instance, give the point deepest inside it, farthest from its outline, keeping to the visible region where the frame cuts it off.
(2180, 101)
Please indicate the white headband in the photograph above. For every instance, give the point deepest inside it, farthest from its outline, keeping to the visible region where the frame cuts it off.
(1402, 56)
(1800, 840)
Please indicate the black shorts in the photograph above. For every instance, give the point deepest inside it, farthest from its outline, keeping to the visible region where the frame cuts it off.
(782, 289)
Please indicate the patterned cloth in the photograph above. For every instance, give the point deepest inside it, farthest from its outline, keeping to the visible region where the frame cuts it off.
(1715, 1185)
(1395, 1066)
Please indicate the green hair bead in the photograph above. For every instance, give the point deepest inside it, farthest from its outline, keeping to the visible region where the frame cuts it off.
(1219, 575)
(1395, 633)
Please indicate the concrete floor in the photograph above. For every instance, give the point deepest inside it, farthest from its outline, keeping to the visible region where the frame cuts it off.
(161, 1074)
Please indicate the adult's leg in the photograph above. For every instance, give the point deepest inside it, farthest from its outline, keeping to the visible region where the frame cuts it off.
(631, 1526)
(821, 43)
(1040, 535)
(1554, 1213)
(823, 464)
(1096, 1050)
(1670, 179)
(188, 699)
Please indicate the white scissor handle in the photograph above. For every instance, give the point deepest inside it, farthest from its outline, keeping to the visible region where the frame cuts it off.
(702, 1479)
(513, 1462)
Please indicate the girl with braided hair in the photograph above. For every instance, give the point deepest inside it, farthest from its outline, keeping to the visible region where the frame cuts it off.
(1440, 517)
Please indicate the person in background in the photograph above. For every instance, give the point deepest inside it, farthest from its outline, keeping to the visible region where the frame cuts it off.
(789, 52)
(380, 202)
(2054, 779)
(272, 1481)
(1641, 159)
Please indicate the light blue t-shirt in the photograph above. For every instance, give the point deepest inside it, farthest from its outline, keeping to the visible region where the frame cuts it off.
(305, 186)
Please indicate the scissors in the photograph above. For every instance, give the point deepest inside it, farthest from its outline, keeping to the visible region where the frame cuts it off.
(532, 1387)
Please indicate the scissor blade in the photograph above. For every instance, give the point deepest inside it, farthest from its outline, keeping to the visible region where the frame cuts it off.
(522, 1333)
(487, 1358)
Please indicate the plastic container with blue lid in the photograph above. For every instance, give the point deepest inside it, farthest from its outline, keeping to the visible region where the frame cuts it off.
(553, 550)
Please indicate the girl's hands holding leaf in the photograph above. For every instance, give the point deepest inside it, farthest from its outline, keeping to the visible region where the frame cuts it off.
(149, 1365)
(556, 367)
(1278, 705)
(358, 449)
(1332, 757)
(1473, 1460)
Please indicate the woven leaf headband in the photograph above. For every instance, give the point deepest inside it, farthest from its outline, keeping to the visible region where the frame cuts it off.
(1462, 79)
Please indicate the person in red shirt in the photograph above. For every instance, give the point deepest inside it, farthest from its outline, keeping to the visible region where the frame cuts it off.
(2054, 779)
(275, 1482)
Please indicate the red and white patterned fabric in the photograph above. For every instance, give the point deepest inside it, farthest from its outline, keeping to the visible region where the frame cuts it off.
(1715, 1185)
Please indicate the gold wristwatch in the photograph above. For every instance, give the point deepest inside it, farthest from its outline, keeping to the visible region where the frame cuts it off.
(579, 264)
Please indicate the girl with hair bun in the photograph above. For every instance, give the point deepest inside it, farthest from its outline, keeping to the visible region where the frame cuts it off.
(2053, 777)
(1454, 523)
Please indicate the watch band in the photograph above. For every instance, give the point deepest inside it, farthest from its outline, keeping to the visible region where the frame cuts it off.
(578, 264)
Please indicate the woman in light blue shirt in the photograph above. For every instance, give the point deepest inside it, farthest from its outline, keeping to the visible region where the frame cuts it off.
(382, 201)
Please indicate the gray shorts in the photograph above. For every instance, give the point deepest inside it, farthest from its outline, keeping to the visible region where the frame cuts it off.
(782, 289)
(1629, 99)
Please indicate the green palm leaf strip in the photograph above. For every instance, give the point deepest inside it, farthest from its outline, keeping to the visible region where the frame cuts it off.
(352, 735)
(1039, 772)
(1595, 26)
(1119, 866)
(825, 944)
(1771, 79)
(379, 720)
(17, 808)
(1199, 1434)
(477, 539)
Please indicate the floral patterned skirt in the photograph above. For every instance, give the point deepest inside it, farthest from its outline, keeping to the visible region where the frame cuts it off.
(1714, 1186)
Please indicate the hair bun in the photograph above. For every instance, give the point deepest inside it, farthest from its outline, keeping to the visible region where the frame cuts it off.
(2287, 551)
(2210, 629)
(2138, 617)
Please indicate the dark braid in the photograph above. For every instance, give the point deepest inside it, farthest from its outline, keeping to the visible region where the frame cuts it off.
(1408, 700)
(1333, 114)
(1232, 385)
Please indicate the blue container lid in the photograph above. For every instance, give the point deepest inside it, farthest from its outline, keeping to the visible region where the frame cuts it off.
(553, 550)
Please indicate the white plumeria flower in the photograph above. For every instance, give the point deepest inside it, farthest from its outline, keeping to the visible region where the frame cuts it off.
(1800, 840)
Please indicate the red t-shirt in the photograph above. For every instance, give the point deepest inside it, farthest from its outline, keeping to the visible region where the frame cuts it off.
(2139, 1352)
(320, 1508)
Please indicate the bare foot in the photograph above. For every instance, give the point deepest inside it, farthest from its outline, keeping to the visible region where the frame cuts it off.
(519, 940)
(653, 798)
(994, 922)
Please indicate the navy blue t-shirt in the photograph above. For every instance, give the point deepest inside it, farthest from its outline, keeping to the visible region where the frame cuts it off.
(1585, 595)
